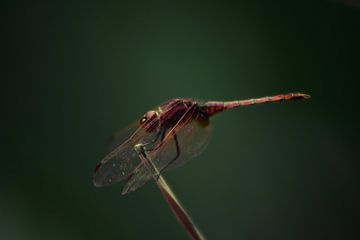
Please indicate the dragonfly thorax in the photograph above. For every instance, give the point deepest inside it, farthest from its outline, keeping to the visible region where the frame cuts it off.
(177, 110)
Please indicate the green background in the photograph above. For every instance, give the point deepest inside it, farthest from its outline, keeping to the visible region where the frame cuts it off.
(76, 72)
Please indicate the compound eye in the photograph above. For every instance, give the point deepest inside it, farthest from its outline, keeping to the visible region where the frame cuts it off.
(150, 114)
(143, 119)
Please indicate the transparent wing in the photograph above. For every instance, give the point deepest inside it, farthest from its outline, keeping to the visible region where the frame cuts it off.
(122, 159)
(121, 136)
(192, 138)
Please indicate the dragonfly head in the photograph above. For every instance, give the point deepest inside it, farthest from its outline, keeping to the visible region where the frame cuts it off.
(150, 121)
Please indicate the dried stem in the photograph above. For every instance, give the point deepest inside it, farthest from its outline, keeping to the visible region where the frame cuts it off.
(182, 216)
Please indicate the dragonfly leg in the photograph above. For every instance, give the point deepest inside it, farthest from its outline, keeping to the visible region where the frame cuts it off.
(139, 148)
(177, 152)
(141, 151)
(160, 134)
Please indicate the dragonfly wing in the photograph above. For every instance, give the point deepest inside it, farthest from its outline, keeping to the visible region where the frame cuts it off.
(116, 167)
(140, 176)
(121, 136)
(183, 144)
(122, 159)
(192, 138)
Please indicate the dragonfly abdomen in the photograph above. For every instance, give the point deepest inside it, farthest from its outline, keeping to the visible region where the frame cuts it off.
(214, 107)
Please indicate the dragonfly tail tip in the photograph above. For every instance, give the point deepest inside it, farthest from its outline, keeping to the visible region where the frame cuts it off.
(306, 96)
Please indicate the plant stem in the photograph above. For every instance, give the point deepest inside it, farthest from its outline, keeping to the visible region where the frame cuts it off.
(182, 216)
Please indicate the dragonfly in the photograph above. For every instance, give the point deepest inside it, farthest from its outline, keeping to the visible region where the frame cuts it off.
(170, 135)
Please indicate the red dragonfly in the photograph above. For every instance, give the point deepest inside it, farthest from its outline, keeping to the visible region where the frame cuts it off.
(170, 135)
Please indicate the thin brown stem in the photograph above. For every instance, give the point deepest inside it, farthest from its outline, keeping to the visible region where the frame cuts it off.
(175, 205)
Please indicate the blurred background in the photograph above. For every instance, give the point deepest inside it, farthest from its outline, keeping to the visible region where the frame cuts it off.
(75, 72)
